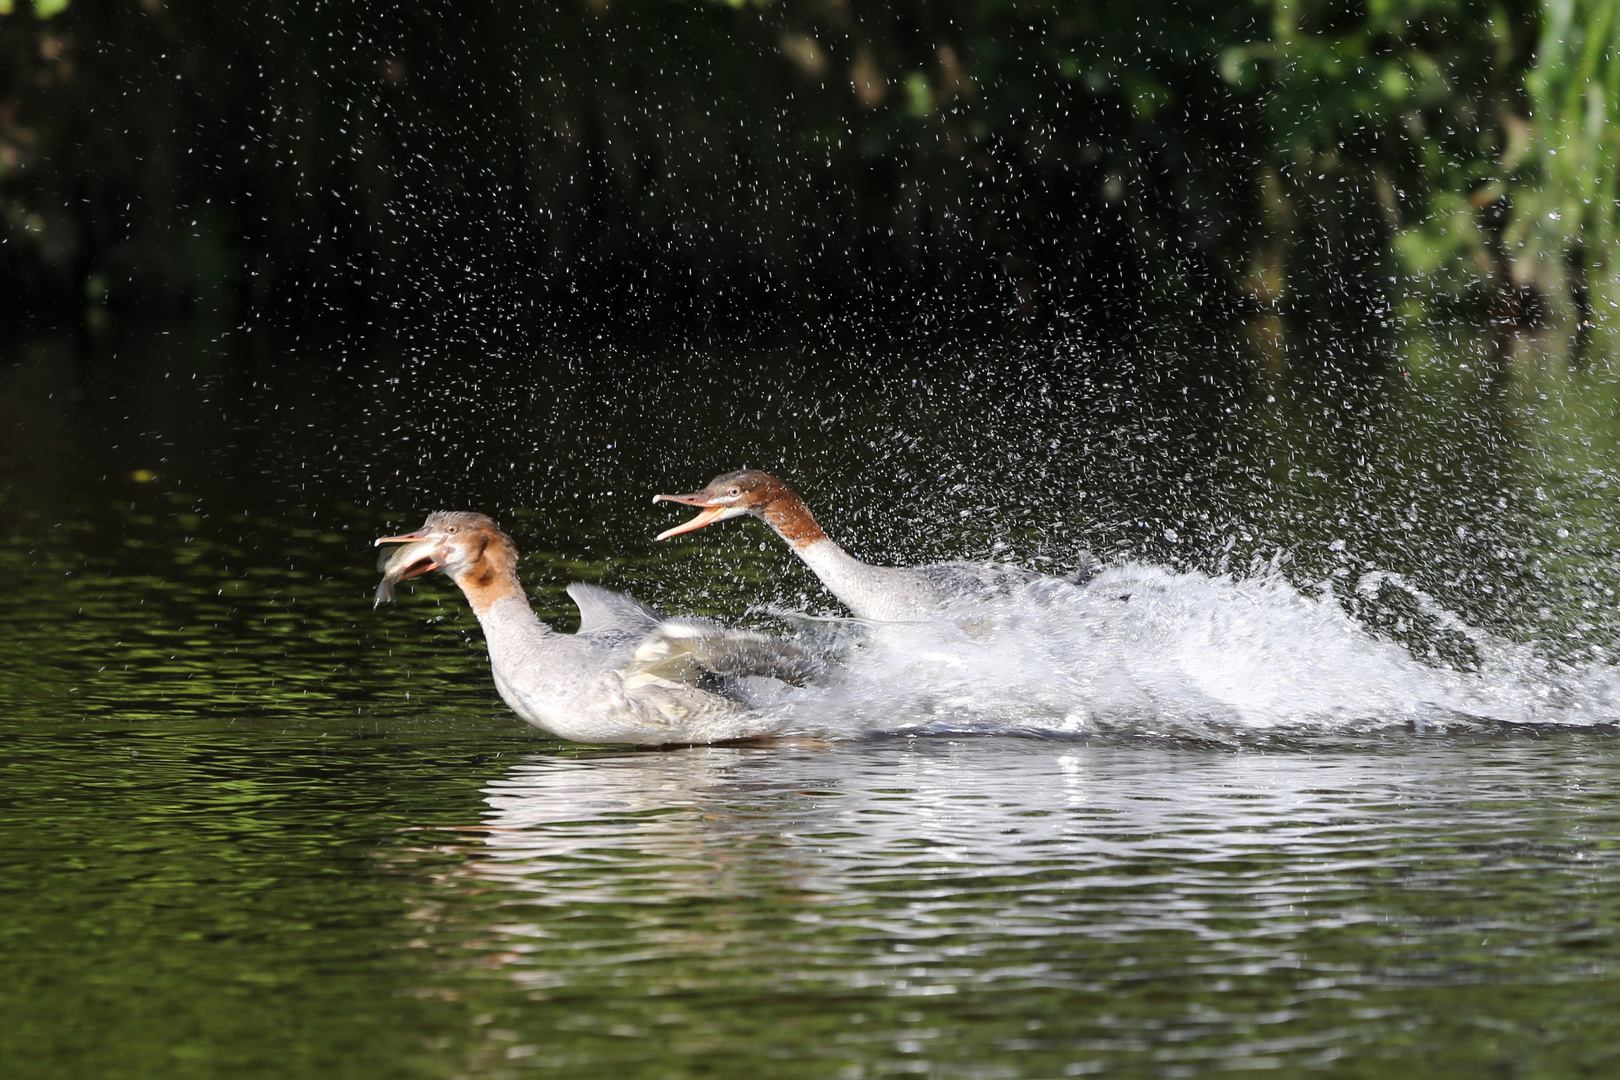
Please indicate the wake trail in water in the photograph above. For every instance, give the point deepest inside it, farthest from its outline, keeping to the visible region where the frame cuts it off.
(1143, 650)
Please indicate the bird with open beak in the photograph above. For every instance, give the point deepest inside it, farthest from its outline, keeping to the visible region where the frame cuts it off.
(879, 593)
(628, 676)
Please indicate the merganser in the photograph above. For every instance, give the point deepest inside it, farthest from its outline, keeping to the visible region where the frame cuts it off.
(628, 676)
(880, 593)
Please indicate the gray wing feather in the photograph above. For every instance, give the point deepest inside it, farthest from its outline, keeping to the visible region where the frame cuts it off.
(603, 609)
(683, 650)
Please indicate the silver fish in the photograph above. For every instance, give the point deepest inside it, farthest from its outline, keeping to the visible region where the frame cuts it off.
(414, 558)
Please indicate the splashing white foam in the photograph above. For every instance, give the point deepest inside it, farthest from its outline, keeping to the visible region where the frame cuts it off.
(1143, 650)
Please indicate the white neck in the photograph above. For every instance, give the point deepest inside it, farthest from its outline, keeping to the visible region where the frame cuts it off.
(511, 630)
(865, 589)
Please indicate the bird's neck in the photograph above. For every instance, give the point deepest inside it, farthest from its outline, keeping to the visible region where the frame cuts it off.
(792, 521)
(512, 631)
(488, 583)
(862, 587)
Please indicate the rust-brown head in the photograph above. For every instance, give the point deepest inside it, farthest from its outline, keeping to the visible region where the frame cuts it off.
(468, 547)
(732, 495)
(749, 492)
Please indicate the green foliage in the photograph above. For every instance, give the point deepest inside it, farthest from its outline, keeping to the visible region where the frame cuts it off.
(1561, 232)
(1482, 128)
(43, 9)
(1390, 118)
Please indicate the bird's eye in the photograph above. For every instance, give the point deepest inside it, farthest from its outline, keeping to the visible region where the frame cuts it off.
(451, 531)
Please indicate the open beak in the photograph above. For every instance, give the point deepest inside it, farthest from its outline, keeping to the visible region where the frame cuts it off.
(409, 562)
(709, 515)
(419, 556)
(406, 538)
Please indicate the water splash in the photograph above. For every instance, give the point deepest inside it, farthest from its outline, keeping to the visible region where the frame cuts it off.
(1146, 651)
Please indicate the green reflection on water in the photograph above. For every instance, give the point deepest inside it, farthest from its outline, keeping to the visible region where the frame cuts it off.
(195, 904)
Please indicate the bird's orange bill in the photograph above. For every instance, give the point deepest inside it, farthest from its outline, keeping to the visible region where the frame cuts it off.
(710, 513)
(405, 538)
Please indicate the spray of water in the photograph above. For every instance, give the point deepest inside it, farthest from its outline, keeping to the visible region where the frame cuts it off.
(1146, 651)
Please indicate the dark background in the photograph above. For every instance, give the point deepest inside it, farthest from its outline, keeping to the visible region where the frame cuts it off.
(690, 168)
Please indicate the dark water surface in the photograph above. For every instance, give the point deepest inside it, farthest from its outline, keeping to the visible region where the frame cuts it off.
(251, 827)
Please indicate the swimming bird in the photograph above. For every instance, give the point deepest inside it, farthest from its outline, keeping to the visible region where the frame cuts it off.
(881, 593)
(628, 676)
